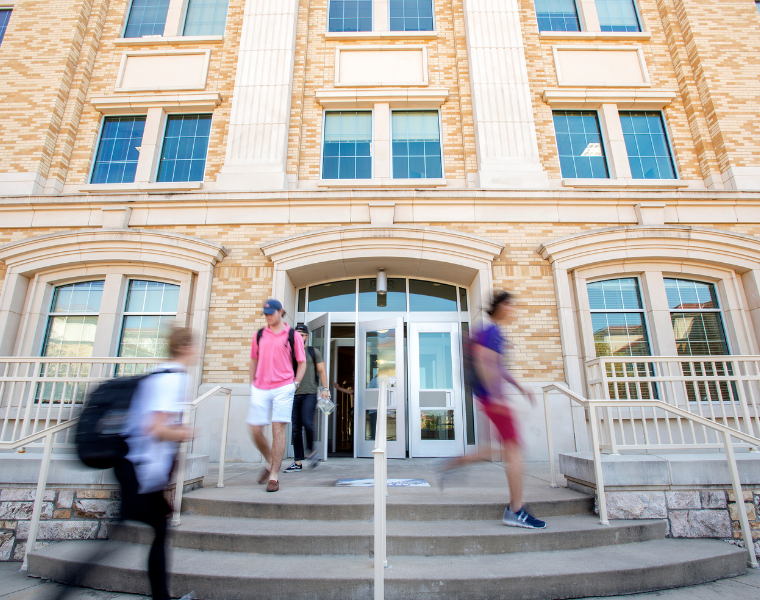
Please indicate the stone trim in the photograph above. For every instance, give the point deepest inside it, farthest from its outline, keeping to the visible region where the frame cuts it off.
(171, 103)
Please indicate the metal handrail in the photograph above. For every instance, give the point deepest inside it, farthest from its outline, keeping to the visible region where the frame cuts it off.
(592, 405)
(50, 433)
(380, 459)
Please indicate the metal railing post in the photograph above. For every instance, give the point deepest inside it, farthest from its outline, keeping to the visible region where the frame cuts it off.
(601, 499)
(739, 497)
(550, 438)
(38, 499)
(379, 455)
(180, 482)
(225, 427)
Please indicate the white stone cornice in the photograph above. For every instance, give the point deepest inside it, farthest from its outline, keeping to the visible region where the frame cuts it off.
(140, 103)
(661, 243)
(56, 250)
(396, 97)
(590, 98)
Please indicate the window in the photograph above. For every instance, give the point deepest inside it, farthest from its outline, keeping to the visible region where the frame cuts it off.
(431, 296)
(5, 16)
(416, 142)
(350, 15)
(617, 15)
(393, 300)
(647, 145)
(337, 296)
(579, 142)
(557, 15)
(617, 318)
(206, 17)
(150, 309)
(411, 15)
(347, 146)
(146, 17)
(757, 6)
(696, 318)
(118, 151)
(183, 156)
(70, 333)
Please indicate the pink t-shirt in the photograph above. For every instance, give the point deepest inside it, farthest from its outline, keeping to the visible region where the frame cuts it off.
(275, 366)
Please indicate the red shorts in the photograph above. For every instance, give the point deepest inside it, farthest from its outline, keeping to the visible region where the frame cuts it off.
(502, 418)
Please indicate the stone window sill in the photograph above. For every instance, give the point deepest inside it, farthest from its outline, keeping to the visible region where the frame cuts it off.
(382, 183)
(626, 183)
(170, 41)
(380, 35)
(600, 36)
(146, 188)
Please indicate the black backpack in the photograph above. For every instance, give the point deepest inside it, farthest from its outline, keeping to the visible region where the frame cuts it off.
(471, 378)
(291, 343)
(99, 439)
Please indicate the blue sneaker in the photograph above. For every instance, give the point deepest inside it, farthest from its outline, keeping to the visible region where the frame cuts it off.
(521, 519)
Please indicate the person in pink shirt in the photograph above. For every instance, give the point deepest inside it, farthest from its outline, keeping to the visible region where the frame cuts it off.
(278, 363)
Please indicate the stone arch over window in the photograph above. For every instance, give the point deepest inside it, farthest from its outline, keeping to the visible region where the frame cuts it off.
(345, 252)
(36, 266)
(650, 254)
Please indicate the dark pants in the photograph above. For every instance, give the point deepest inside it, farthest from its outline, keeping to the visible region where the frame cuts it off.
(153, 510)
(304, 415)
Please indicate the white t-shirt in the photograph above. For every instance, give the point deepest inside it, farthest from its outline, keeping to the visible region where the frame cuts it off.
(152, 458)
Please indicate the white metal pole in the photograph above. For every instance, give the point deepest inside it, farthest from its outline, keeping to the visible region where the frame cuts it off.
(739, 496)
(378, 457)
(180, 482)
(38, 498)
(225, 427)
(601, 499)
(550, 438)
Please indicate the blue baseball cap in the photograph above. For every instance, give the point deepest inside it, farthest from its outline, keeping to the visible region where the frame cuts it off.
(271, 306)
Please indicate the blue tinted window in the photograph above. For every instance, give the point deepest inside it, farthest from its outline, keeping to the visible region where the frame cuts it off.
(146, 17)
(346, 152)
(647, 145)
(394, 300)
(5, 16)
(579, 142)
(431, 296)
(206, 17)
(183, 156)
(411, 15)
(617, 15)
(416, 142)
(116, 159)
(557, 15)
(337, 296)
(350, 15)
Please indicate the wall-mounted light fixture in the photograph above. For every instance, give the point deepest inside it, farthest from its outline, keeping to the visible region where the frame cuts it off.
(381, 287)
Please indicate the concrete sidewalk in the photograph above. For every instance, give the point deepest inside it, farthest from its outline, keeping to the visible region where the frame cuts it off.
(15, 585)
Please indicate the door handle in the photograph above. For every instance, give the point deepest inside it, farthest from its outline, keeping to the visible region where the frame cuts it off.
(448, 399)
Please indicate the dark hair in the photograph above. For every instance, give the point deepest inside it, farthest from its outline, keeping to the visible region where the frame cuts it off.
(498, 298)
(179, 337)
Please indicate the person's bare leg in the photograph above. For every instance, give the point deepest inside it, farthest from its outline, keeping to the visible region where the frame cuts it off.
(513, 467)
(278, 449)
(257, 433)
(461, 461)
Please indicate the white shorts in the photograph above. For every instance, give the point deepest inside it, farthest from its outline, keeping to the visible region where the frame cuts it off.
(269, 406)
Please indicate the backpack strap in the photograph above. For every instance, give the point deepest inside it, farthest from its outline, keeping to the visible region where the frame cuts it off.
(292, 342)
(259, 333)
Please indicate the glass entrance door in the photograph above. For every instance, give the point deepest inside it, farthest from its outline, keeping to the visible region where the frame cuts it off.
(319, 338)
(435, 390)
(380, 357)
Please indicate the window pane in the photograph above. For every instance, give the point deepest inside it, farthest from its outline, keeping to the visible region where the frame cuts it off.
(118, 151)
(436, 365)
(346, 150)
(579, 144)
(337, 296)
(77, 297)
(689, 295)
(183, 156)
(617, 15)
(411, 15)
(146, 17)
(151, 296)
(557, 15)
(395, 299)
(614, 294)
(145, 336)
(431, 296)
(620, 334)
(699, 334)
(5, 16)
(647, 144)
(350, 15)
(70, 336)
(416, 144)
(463, 299)
(206, 17)
(302, 300)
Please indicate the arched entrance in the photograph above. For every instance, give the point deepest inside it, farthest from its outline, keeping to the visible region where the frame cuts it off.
(438, 282)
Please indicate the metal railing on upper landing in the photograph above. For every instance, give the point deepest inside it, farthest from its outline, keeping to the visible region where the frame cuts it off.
(66, 428)
(380, 459)
(666, 426)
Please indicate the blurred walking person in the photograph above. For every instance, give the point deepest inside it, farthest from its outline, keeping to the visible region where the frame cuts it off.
(485, 355)
(305, 405)
(153, 432)
(278, 364)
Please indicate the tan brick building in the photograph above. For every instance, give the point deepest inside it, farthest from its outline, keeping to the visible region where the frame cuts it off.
(187, 159)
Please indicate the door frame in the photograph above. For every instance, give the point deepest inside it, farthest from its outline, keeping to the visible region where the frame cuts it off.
(322, 421)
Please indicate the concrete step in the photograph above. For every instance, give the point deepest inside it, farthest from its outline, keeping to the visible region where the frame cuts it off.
(415, 538)
(399, 507)
(600, 571)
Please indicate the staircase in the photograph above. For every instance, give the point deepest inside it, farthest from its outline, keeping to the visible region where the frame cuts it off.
(315, 542)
